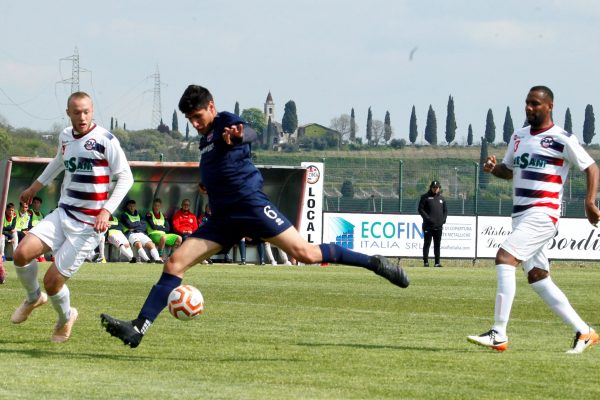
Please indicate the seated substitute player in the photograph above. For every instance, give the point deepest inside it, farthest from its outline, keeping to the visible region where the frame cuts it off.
(23, 220)
(89, 156)
(9, 230)
(134, 229)
(239, 209)
(537, 160)
(158, 229)
(36, 216)
(116, 237)
(184, 220)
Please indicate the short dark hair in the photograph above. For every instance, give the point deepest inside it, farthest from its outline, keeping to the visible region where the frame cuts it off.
(157, 200)
(193, 98)
(10, 205)
(130, 201)
(36, 198)
(545, 89)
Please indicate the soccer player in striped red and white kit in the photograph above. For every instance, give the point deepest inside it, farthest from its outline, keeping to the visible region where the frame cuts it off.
(90, 156)
(538, 159)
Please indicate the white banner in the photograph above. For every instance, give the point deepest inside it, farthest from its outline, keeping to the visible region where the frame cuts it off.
(491, 232)
(576, 238)
(397, 235)
(311, 220)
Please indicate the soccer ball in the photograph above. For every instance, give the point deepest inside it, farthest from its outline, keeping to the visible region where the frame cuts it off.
(185, 302)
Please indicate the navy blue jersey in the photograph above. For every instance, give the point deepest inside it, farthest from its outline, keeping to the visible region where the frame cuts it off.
(227, 171)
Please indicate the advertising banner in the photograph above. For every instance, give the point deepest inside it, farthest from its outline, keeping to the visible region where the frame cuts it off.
(397, 235)
(576, 238)
(311, 219)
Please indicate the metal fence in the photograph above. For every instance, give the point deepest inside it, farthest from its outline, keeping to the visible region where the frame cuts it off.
(383, 185)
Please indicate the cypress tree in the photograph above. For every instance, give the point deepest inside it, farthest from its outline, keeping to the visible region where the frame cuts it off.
(490, 127)
(484, 178)
(236, 109)
(508, 127)
(187, 131)
(589, 125)
(289, 121)
(352, 126)
(175, 122)
(568, 122)
(412, 130)
(431, 127)
(112, 123)
(369, 126)
(470, 136)
(387, 127)
(450, 122)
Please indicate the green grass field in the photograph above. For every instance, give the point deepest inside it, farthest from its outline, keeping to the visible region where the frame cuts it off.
(304, 333)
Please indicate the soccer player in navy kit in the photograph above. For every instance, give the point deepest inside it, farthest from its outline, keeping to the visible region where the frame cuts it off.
(239, 208)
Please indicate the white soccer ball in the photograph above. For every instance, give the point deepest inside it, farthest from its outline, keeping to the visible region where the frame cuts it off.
(185, 302)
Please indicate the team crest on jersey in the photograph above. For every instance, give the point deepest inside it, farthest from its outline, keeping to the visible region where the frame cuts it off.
(90, 144)
(547, 142)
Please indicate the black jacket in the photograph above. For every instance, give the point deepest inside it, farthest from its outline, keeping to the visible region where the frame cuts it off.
(432, 208)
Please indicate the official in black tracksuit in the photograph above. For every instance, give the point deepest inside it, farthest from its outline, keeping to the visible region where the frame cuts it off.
(432, 208)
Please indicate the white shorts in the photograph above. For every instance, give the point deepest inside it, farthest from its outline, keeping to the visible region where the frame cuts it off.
(139, 237)
(70, 240)
(117, 238)
(528, 239)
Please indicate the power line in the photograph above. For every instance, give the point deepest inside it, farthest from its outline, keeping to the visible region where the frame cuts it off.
(17, 105)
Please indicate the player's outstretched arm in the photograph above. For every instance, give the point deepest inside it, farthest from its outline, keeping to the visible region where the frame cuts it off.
(236, 134)
(591, 211)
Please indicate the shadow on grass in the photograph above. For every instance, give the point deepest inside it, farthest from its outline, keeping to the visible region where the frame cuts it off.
(468, 348)
(381, 346)
(39, 353)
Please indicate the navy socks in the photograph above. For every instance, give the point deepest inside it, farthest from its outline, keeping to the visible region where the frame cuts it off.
(333, 253)
(157, 298)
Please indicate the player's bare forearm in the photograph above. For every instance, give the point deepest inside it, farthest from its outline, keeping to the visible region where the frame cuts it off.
(502, 171)
(498, 170)
(27, 195)
(591, 211)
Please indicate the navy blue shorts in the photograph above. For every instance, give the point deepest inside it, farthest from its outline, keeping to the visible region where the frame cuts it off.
(255, 218)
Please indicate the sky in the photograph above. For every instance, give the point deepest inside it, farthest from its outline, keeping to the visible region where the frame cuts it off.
(328, 56)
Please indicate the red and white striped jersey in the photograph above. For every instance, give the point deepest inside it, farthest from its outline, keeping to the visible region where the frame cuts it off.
(540, 161)
(89, 162)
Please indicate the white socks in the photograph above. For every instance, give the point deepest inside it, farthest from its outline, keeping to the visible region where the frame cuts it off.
(269, 253)
(126, 251)
(505, 295)
(28, 276)
(154, 254)
(101, 248)
(143, 255)
(61, 302)
(558, 302)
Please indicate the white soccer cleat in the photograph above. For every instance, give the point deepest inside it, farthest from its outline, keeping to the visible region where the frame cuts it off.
(24, 310)
(62, 333)
(584, 341)
(490, 339)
